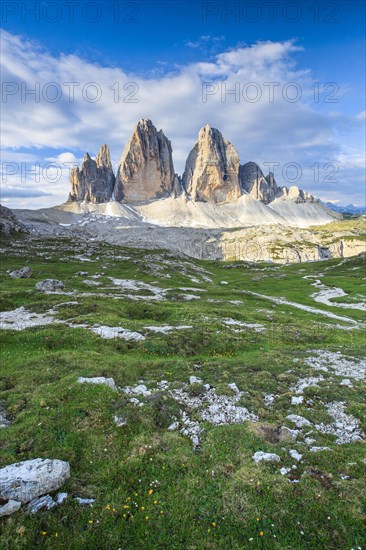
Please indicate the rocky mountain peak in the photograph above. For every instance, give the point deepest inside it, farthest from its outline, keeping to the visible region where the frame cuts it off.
(212, 169)
(146, 170)
(254, 183)
(103, 158)
(94, 181)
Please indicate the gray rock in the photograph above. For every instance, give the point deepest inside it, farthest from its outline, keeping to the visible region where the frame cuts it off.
(22, 273)
(50, 285)
(61, 497)
(295, 455)
(146, 170)
(9, 508)
(98, 380)
(119, 421)
(140, 389)
(233, 387)
(9, 223)
(195, 380)
(173, 426)
(297, 400)
(84, 501)
(299, 421)
(41, 503)
(27, 480)
(252, 181)
(94, 181)
(261, 456)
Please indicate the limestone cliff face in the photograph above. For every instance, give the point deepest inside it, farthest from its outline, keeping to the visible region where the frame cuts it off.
(265, 189)
(146, 170)
(212, 169)
(255, 184)
(94, 181)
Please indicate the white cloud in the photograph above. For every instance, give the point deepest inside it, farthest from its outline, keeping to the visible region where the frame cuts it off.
(265, 131)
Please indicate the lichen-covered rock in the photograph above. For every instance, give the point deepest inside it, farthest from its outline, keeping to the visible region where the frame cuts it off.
(9, 508)
(27, 480)
(212, 169)
(22, 273)
(261, 456)
(146, 170)
(94, 181)
(50, 285)
(41, 503)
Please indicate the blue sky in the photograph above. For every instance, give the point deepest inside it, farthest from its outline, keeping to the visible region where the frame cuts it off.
(167, 54)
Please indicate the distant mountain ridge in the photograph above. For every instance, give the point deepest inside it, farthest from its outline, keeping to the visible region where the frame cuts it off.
(348, 209)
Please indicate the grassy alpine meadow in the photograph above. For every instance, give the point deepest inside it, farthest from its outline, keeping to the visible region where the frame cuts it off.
(143, 317)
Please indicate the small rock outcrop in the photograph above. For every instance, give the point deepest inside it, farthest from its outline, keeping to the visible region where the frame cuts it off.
(98, 380)
(50, 285)
(94, 181)
(22, 273)
(265, 189)
(212, 169)
(9, 223)
(24, 481)
(146, 170)
(295, 194)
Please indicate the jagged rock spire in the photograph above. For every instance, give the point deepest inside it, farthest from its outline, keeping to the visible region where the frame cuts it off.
(212, 168)
(94, 181)
(146, 170)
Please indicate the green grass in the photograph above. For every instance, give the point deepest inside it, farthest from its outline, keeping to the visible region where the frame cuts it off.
(216, 497)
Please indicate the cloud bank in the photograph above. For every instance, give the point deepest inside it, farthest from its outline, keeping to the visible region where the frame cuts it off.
(54, 108)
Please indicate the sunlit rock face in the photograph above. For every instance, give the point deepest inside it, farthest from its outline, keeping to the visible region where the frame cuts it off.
(212, 169)
(146, 170)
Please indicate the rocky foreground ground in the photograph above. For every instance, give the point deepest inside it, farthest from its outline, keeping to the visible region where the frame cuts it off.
(153, 400)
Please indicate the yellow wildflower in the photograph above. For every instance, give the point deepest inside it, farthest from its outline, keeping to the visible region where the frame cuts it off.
(151, 492)
(44, 533)
(261, 533)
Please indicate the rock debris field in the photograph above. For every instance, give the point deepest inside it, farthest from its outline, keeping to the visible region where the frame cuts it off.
(135, 365)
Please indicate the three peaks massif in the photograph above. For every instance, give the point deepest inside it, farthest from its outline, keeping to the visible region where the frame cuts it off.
(214, 183)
